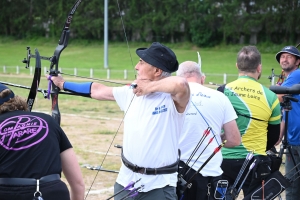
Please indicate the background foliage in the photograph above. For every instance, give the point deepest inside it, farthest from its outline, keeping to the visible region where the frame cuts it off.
(202, 22)
(216, 61)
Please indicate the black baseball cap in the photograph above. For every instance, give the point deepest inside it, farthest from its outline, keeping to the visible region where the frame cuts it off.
(288, 49)
(159, 56)
(5, 99)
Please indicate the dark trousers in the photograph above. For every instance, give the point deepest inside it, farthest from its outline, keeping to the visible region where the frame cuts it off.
(203, 188)
(165, 193)
(231, 169)
(292, 192)
(53, 190)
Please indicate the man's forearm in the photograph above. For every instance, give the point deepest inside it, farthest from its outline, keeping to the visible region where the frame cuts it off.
(272, 135)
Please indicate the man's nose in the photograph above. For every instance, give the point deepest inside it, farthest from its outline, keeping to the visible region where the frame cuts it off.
(136, 66)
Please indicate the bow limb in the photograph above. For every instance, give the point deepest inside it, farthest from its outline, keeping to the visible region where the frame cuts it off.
(199, 62)
(62, 44)
(36, 80)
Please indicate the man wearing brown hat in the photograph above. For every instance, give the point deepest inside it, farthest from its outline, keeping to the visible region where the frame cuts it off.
(289, 60)
(155, 110)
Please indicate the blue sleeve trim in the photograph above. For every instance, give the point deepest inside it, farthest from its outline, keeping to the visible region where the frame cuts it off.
(83, 89)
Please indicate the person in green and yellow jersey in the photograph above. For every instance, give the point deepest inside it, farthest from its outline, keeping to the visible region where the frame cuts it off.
(258, 111)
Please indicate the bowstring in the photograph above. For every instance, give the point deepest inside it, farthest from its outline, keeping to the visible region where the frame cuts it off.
(109, 147)
(122, 22)
(206, 123)
(125, 35)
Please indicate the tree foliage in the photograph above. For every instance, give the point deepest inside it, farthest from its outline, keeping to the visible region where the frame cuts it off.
(202, 22)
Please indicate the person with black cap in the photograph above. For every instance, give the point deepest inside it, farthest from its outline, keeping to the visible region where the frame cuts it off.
(289, 60)
(34, 150)
(155, 108)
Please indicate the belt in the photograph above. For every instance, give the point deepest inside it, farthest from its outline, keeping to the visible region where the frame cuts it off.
(169, 169)
(29, 181)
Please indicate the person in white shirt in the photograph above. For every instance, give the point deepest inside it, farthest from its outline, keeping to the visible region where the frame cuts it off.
(155, 111)
(209, 108)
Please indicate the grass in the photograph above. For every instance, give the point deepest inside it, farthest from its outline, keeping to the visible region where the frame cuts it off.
(216, 61)
(93, 125)
(68, 104)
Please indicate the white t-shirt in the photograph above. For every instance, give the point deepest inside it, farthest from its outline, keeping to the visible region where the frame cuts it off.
(216, 110)
(151, 132)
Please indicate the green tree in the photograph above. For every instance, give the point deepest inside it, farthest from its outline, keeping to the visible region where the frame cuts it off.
(204, 23)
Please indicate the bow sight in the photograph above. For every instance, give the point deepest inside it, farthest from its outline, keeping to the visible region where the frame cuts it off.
(29, 55)
(281, 77)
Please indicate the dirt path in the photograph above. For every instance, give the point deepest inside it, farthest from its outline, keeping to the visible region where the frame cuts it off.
(92, 135)
(91, 146)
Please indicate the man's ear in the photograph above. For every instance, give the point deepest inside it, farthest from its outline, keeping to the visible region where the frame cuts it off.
(259, 68)
(158, 72)
(203, 79)
(298, 62)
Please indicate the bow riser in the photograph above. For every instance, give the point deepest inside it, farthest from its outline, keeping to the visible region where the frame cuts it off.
(62, 44)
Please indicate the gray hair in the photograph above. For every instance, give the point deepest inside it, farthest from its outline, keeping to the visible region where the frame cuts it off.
(165, 74)
(188, 69)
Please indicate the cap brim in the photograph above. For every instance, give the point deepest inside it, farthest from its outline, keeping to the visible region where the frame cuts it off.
(277, 56)
(280, 52)
(140, 52)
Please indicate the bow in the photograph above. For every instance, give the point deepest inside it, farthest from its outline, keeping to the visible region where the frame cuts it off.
(281, 77)
(62, 44)
(36, 80)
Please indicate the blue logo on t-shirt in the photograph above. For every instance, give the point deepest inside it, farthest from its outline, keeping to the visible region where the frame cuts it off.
(159, 110)
(200, 94)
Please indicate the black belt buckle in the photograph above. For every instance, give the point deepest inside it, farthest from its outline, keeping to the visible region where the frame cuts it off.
(140, 170)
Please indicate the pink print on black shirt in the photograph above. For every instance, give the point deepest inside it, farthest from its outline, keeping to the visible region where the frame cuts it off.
(22, 132)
